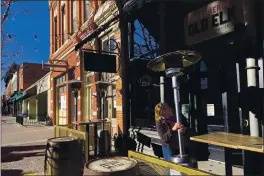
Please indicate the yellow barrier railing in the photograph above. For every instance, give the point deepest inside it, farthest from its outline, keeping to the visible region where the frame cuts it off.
(156, 163)
(29, 174)
(61, 131)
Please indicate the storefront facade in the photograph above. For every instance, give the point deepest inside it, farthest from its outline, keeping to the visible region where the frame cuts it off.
(90, 106)
(215, 91)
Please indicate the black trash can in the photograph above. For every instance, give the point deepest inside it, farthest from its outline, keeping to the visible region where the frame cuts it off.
(63, 157)
(123, 143)
(104, 142)
(19, 119)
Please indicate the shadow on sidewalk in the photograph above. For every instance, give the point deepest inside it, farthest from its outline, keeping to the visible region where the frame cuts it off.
(19, 156)
(8, 149)
(8, 156)
(11, 172)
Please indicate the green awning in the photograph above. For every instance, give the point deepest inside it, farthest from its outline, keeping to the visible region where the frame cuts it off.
(13, 98)
(18, 96)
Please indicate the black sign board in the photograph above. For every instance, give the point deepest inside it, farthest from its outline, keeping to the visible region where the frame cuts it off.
(212, 20)
(98, 62)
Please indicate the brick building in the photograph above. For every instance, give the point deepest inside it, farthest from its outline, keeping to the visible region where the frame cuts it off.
(8, 104)
(70, 22)
(29, 73)
(8, 90)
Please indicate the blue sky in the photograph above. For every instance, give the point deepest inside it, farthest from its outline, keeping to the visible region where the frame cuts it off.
(28, 24)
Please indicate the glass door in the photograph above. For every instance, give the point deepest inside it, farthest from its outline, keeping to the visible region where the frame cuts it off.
(88, 113)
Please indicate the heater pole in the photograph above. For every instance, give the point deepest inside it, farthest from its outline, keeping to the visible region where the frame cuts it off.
(175, 88)
(162, 99)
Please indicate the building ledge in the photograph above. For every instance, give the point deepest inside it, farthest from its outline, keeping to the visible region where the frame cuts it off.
(105, 13)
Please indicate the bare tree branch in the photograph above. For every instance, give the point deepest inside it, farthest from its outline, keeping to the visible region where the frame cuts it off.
(8, 6)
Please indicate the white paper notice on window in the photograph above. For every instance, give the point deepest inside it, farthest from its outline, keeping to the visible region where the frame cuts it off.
(63, 102)
(204, 83)
(210, 110)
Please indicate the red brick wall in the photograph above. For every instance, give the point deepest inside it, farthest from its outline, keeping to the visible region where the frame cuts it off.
(64, 48)
(8, 89)
(72, 61)
(29, 73)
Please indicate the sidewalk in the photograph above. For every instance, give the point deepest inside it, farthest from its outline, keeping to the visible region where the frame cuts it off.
(217, 168)
(23, 148)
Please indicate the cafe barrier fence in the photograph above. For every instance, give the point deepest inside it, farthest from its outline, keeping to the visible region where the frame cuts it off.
(149, 165)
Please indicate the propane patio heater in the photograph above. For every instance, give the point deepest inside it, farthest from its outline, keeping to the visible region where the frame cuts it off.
(76, 86)
(173, 64)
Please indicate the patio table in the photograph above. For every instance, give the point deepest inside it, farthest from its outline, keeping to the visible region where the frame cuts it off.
(233, 141)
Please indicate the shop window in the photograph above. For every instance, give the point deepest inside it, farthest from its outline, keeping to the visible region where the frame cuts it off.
(108, 44)
(61, 79)
(61, 101)
(87, 12)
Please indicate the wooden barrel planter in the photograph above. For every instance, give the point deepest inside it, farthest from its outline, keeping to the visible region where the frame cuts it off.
(114, 166)
(63, 157)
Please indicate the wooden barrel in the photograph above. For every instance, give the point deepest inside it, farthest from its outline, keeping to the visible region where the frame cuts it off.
(63, 157)
(114, 166)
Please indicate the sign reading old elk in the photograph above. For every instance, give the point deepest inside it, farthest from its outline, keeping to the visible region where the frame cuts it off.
(215, 19)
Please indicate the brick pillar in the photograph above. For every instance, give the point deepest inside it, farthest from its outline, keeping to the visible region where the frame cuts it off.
(119, 107)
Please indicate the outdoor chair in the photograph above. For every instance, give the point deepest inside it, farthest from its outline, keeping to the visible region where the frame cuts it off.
(143, 140)
(157, 149)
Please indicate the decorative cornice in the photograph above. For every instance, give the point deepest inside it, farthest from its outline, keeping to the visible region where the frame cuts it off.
(52, 4)
(106, 12)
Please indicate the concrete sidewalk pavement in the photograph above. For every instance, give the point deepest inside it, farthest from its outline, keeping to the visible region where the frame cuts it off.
(23, 148)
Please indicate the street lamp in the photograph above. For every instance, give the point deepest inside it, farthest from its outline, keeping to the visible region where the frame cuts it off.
(76, 86)
(173, 64)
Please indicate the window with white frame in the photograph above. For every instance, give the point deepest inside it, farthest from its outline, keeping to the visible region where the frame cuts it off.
(74, 16)
(87, 11)
(108, 44)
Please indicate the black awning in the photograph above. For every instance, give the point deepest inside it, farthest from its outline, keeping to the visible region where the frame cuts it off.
(30, 92)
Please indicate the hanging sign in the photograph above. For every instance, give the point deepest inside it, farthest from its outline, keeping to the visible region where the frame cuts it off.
(212, 20)
(210, 110)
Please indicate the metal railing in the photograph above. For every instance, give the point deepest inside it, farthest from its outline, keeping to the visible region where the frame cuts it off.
(31, 120)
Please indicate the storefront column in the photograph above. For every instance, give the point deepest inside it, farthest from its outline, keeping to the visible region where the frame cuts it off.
(68, 98)
(37, 109)
(124, 75)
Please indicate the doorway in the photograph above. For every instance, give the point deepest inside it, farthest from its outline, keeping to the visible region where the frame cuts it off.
(215, 94)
